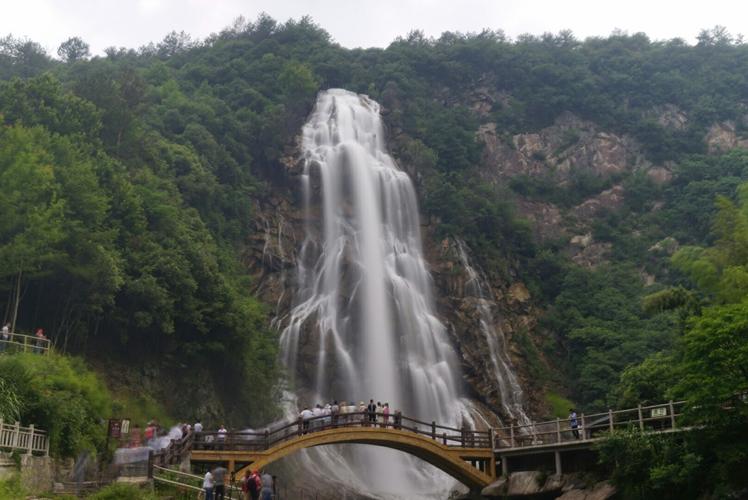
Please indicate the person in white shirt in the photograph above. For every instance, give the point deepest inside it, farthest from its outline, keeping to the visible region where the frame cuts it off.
(317, 412)
(5, 337)
(305, 415)
(208, 486)
(198, 427)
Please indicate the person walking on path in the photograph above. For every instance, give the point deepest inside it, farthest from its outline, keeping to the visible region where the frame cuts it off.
(208, 485)
(254, 485)
(267, 486)
(573, 422)
(219, 479)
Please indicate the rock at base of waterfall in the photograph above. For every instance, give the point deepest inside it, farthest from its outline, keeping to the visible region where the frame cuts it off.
(601, 491)
(495, 489)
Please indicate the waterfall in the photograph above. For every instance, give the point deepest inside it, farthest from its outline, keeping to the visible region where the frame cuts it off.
(510, 392)
(363, 324)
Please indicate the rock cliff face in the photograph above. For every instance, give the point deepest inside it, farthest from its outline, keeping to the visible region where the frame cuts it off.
(569, 148)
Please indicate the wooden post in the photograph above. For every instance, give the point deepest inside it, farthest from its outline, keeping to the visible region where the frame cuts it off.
(584, 431)
(433, 430)
(30, 446)
(558, 430)
(16, 435)
(610, 419)
(557, 455)
(1, 431)
(46, 445)
(511, 435)
(505, 466)
(462, 436)
(641, 419)
(444, 437)
(670, 405)
(491, 443)
(301, 426)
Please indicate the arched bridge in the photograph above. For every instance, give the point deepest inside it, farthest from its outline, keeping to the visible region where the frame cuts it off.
(464, 454)
(475, 458)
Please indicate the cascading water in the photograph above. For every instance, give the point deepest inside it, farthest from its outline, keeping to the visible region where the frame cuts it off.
(510, 392)
(364, 325)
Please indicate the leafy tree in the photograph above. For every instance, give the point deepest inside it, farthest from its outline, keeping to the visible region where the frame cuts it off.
(73, 49)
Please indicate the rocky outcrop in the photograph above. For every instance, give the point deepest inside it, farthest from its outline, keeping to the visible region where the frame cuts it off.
(534, 484)
(569, 147)
(722, 137)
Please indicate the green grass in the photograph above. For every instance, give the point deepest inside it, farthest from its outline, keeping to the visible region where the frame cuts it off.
(559, 405)
(122, 491)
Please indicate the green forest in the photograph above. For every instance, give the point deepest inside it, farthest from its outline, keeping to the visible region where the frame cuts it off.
(128, 183)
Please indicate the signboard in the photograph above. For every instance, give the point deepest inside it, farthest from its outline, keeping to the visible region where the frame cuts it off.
(115, 428)
(125, 426)
(659, 412)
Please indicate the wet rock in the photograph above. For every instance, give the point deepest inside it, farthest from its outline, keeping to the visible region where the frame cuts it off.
(495, 489)
(525, 483)
(600, 491)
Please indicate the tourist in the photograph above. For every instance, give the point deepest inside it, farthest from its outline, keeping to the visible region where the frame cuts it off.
(317, 414)
(267, 486)
(5, 337)
(198, 427)
(386, 415)
(398, 419)
(573, 422)
(40, 338)
(327, 412)
(306, 414)
(362, 412)
(335, 410)
(372, 411)
(219, 478)
(136, 439)
(255, 485)
(245, 485)
(150, 432)
(208, 486)
(221, 436)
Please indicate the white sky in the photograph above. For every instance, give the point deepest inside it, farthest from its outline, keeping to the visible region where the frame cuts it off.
(359, 23)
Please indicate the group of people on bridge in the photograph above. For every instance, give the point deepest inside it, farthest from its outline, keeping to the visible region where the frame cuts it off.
(9, 341)
(255, 485)
(334, 414)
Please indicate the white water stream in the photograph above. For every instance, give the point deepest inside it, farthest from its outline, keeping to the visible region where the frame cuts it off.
(363, 323)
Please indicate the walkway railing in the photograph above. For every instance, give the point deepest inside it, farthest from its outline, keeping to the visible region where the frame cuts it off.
(175, 452)
(18, 342)
(653, 418)
(28, 439)
(191, 482)
(263, 440)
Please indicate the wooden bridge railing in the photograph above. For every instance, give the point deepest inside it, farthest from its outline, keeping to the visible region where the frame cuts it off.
(263, 440)
(18, 342)
(175, 452)
(28, 439)
(655, 418)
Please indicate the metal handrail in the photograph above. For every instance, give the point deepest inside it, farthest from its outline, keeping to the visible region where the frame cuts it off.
(262, 440)
(30, 343)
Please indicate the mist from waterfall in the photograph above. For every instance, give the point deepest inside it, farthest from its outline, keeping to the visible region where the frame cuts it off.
(510, 392)
(364, 323)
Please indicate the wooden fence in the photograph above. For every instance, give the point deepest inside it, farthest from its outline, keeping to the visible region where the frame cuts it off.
(28, 439)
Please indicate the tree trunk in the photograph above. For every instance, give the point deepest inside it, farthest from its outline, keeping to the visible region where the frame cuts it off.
(17, 301)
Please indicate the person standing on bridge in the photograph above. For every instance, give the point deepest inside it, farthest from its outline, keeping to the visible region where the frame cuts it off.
(306, 414)
(372, 411)
(573, 422)
(386, 415)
